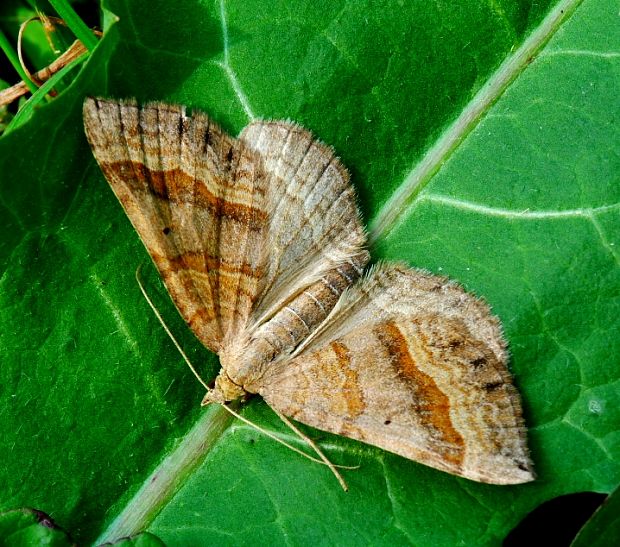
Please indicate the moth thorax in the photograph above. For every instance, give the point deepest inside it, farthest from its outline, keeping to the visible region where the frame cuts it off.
(245, 361)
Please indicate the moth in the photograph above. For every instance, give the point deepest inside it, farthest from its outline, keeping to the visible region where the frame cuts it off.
(260, 244)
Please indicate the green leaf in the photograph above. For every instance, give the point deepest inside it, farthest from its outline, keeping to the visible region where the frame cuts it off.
(28, 527)
(141, 540)
(483, 141)
(73, 21)
(604, 526)
(11, 55)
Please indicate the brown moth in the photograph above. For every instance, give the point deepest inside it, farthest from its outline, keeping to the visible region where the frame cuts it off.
(260, 244)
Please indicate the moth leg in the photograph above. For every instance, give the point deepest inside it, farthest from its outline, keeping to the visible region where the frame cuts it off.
(314, 446)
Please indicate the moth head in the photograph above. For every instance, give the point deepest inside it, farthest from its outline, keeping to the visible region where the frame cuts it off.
(224, 391)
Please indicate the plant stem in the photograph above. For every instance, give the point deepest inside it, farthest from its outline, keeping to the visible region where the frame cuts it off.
(26, 111)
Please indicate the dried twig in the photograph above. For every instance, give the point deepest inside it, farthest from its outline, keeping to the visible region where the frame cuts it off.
(76, 49)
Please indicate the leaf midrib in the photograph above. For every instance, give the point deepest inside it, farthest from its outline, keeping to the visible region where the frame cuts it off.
(168, 476)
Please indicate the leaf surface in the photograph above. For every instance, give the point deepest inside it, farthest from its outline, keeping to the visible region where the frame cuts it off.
(30, 527)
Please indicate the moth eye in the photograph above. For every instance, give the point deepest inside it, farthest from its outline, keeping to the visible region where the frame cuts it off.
(387, 422)
(166, 230)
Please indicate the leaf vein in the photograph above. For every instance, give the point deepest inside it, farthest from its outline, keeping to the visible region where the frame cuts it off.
(526, 214)
(230, 73)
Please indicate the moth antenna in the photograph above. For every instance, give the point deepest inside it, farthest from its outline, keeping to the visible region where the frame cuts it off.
(165, 327)
(322, 461)
(315, 447)
(274, 437)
